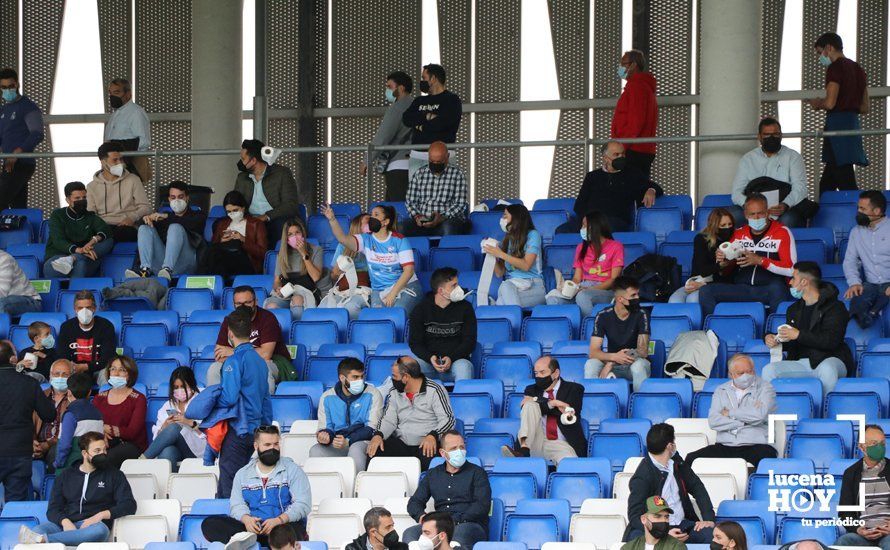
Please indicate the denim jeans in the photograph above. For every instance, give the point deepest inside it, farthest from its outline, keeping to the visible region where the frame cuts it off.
(274, 302)
(16, 305)
(177, 255)
(828, 371)
(680, 296)
(771, 294)
(234, 454)
(855, 539)
(98, 532)
(866, 307)
(510, 295)
(357, 451)
(15, 475)
(462, 369)
(83, 266)
(585, 298)
(170, 445)
(637, 371)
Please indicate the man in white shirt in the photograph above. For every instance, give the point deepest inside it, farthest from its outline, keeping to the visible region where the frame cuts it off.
(129, 125)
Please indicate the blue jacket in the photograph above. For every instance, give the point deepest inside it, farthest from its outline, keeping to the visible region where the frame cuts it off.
(287, 490)
(204, 407)
(352, 416)
(21, 125)
(80, 417)
(245, 384)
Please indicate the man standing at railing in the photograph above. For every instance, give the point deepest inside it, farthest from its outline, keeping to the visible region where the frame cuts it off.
(636, 114)
(129, 125)
(393, 165)
(21, 131)
(434, 116)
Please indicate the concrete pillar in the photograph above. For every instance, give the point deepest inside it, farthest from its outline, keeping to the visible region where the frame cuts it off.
(216, 92)
(729, 96)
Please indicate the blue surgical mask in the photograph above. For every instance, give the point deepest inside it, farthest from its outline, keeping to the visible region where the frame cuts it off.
(356, 386)
(9, 94)
(48, 342)
(757, 224)
(583, 234)
(390, 96)
(622, 71)
(796, 293)
(457, 457)
(117, 381)
(824, 60)
(59, 384)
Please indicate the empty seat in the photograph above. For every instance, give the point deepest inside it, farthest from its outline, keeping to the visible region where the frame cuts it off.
(815, 244)
(491, 331)
(736, 467)
(655, 406)
(791, 527)
(310, 388)
(378, 486)
(339, 316)
(547, 221)
(509, 369)
(511, 487)
(487, 446)
(597, 407)
(615, 447)
(397, 315)
(574, 487)
(556, 507)
(822, 448)
(840, 218)
(659, 221)
(533, 530)
(372, 332)
(186, 300)
(734, 330)
(636, 244)
(681, 202)
(342, 467)
(513, 315)
(287, 408)
(197, 335)
(546, 331)
(312, 334)
(137, 531)
(754, 517)
(169, 319)
(600, 529)
(158, 468)
(487, 223)
(563, 203)
(494, 388)
(535, 466)
(334, 529)
(342, 350)
(567, 311)
(469, 407)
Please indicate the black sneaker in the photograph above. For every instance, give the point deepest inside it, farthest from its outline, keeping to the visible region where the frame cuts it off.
(517, 451)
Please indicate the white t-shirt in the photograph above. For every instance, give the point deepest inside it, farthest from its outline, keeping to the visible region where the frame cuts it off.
(240, 227)
(195, 439)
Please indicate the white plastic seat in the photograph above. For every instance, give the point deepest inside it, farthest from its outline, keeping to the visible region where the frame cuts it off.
(357, 506)
(171, 509)
(187, 488)
(343, 465)
(137, 531)
(693, 426)
(599, 530)
(397, 505)
(158, 467)
(324, 486)
(334, 529)
(378, 486)
(296, 446)
(621, 485)
(603, 507)
(409, 465)
(103, 546)
(304, 427)
(46, 546)
(196, 466)
(568, 546)
(402, 522)
(143, 486)
(720, 487)
(736, 467)
(631, 464)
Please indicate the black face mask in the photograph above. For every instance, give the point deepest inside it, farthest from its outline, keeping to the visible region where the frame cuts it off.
(80, 207)
(269, 457)
(862, 219)
(115, 102)
(374, 225)
(437, 167)
(543, 382)
(771, 144)
(424, 86)
(659, 529)
(716, 546)
(100, 461)
(391, 540)
(242, 167)
(724, 234)
(633, 305)
(398, 385)
(619, 163)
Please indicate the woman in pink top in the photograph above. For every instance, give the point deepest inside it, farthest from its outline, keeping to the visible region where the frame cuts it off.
(598, 261)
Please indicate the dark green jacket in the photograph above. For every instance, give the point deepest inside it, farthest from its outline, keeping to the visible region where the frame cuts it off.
(279, 187)
(667, 543)
(68, 231)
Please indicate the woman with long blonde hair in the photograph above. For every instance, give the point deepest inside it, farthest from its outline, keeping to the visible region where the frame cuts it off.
(718, 230)
(301, 265)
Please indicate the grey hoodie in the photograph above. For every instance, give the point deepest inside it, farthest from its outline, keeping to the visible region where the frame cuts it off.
(746, 421)
(391, 132)
(429, 414)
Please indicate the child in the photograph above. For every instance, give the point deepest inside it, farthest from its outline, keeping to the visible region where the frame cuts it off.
(282, 537)
(80, 418)
(44, 348)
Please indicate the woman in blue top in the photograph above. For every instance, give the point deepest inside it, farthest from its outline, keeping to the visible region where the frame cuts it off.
(519, 259)
(390, 262)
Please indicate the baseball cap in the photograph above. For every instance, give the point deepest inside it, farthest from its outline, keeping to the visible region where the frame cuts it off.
(656, 504)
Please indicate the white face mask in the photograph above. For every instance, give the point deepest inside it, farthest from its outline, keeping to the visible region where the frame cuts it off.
(85, 316)
(178, 205)
(503, 223)
(424, 543)
(457, 294)
(117, 170)
(236, 216)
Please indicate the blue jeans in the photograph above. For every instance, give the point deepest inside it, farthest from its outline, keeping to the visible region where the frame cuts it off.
(855, 539)
(681, 297)
(16, 305)
(233, 455)
(274, 302)
(406, 300)
(586, 298)
(510, 295)
(15, 475)
(636, 372)
(462, 369)
(170, 445)
(771, 294)
(866, 307)
(98, 532)
(177, 255)
(83, 266)
(828, 371)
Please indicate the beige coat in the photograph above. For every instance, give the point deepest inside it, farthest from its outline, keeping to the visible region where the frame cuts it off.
(118, 200)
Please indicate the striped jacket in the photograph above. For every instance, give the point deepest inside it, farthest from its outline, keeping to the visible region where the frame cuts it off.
(428, 414)
(13, 281)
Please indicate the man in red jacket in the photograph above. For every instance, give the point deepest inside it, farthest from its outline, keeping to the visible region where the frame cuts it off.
(636, 114)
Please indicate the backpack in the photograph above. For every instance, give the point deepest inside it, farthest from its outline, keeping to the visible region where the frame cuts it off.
(11, 222)
(659, 276)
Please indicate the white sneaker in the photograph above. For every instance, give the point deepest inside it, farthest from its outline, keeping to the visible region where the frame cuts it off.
(240, 541)
(165, 273)
(63, 265)
(27, 536)
(130, 274)
(610, 376)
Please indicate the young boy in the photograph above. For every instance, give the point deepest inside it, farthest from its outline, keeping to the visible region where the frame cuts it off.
(44, 348)
(282, 537)
(80, 418)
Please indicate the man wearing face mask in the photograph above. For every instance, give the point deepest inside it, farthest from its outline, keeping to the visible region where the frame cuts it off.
(269, 189)
(664, 472)
(87, 340)
(433, 116)
(872, 473)
(347, 415)
(129, 125)
(380, 532)
(868, 252)
(392, 164)
(46, 434)
(117, 195)
(739, 414)
(656, 525)
(169, 242)
(614, 190)
(271, 490)
(437, 197)
(85, 501)
(78, 238)
(443, 329)
(636, 114)
(813, 336)
(21, 131)
(772, 166)
(437, 530)
(458, 488)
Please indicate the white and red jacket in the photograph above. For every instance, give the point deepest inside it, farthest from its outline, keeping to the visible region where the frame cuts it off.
(775, 245)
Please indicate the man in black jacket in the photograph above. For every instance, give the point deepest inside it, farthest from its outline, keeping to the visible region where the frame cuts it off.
(459, 488)
(547, 427)
(871, 471)
(663, 472)
(380, 532)
(86, 499)
(814, 334)
(442, 334)
(270, 190)
(86, 340)
(21, 397)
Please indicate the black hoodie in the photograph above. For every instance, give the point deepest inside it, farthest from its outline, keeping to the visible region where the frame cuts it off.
(443, 332)
(106, 490)
(824, 337)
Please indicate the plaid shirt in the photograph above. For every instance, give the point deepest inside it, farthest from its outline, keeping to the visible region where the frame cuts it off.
(445, 194)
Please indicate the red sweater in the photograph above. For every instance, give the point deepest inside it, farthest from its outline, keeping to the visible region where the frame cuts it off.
(128, 416)
(636, 114)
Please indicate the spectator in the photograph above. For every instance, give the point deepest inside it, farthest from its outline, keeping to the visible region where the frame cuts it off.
(129, 126)
(393, 165)
(739, 414)
(772, 166)
(544, 430)
(656, 526)
(123, 411)
(380, 532)
(729, 535)
(46, 434)
(598, 262)
(437, 530)
(626, 327)
(269, 491)
(78, 239)
(433, 116)
(868, 248)
(636, 114)
(21, 131)
(808, 544)
(80, 417)
(518, 260)
(43, 348)
(358, 224)
(22, 398)
(348, 415)
(282, 537)
(813, 338)
(300, 264)
(615, 190)
(437, 197)
(17, 296)
(269, 189)
(264, 335)
(705, 268)
(87, 340)
(761, 272)
(245, 387)
(459, 489)
(416, 414)
(390, 262)
(872, 473)
(663, 472)
(114, 181)
(239, 241)
(846, 97)
(85, 500)
(175, 437)
(442, 331)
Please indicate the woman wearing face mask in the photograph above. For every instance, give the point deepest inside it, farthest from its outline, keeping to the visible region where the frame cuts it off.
(704, 256)
(123, 411)
(729, 535)
(518, 260)
(301, 265)
(598, 261)
(239, 242)
(175, 436)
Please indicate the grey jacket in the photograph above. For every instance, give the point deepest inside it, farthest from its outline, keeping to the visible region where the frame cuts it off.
(279, 187)
(745, 422)
(154, 291)
(391, 132)
(429, 414)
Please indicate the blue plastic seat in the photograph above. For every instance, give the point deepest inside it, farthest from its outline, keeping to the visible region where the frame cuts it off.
(754, 517)
(530, 349)
(186, 300)
(561, 258)
(754, 310)
(560, 508)
(348, 209)
(862, 336)
(397, 315)
(323, 369)
(372, 332)
(312, 334)
(822, 448)
(421, 248)
(701, 217)
(509, 487)
(680, 386)
(717, 200)
(461, 259)
(682, 252)
(874, 364)
(170, 319)
(214, 283)
(494, 388)
(33, 215)
(186, 545)
(338, 315)
(513, 314)
(9, 526)
(180, 354)
(791, 527)
(810, 386)
(568, 311)
(535, 466)
(491, 331)
(287, 408)
(563, 203)
(319, 228)
(597, 407)
(815, 244)
(547, 221)
(53, 319)
(201, 367)
(139, 337)
(840, 218)
(190, 530)
(499, 545)
(310, 388)
(342, 350)
(32, 508)
(849, 197)
(734, 330)
(487, 446)
(546, 331)
(681, 202)
(394, 349)
(115, 266)
(507, 368)
(29, 265)
(659, 221)
(655, 406)
(759, 482)
(197, 335)
(867, 403)
(571, 367)
(690, 311)
(487, 223)
(669, 328)
(636, 244)
(639, 426)
(616, 447)
(591, 465)
(154, 372)
(618, 387)
(469, 407)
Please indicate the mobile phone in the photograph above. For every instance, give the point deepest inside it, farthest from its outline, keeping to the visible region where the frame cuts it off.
(171, 412)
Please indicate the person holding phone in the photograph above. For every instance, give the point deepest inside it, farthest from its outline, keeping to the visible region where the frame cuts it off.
(872, 473)
(175, 436)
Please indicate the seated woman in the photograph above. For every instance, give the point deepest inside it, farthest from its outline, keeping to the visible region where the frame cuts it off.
(518, 259)
(123, 411)
(175, 436)
(239, 242)
(302, 265)
(598, 261)
(358, 224)
(719, 230)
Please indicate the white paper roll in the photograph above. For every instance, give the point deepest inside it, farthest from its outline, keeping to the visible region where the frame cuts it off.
(731, 250)
(347, 266)
(569, 289)
(568, 417)
(780, 330)
(482, 298)
(286, 290)
(270, 154)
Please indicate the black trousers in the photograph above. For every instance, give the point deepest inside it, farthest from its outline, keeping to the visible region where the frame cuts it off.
(124, 233)
(221, 529)
(14, 185)
(751, 453)
(834, 177)
(227, 262)
(396, 447)
(643, 161)
(119, 452)
(396, 185)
